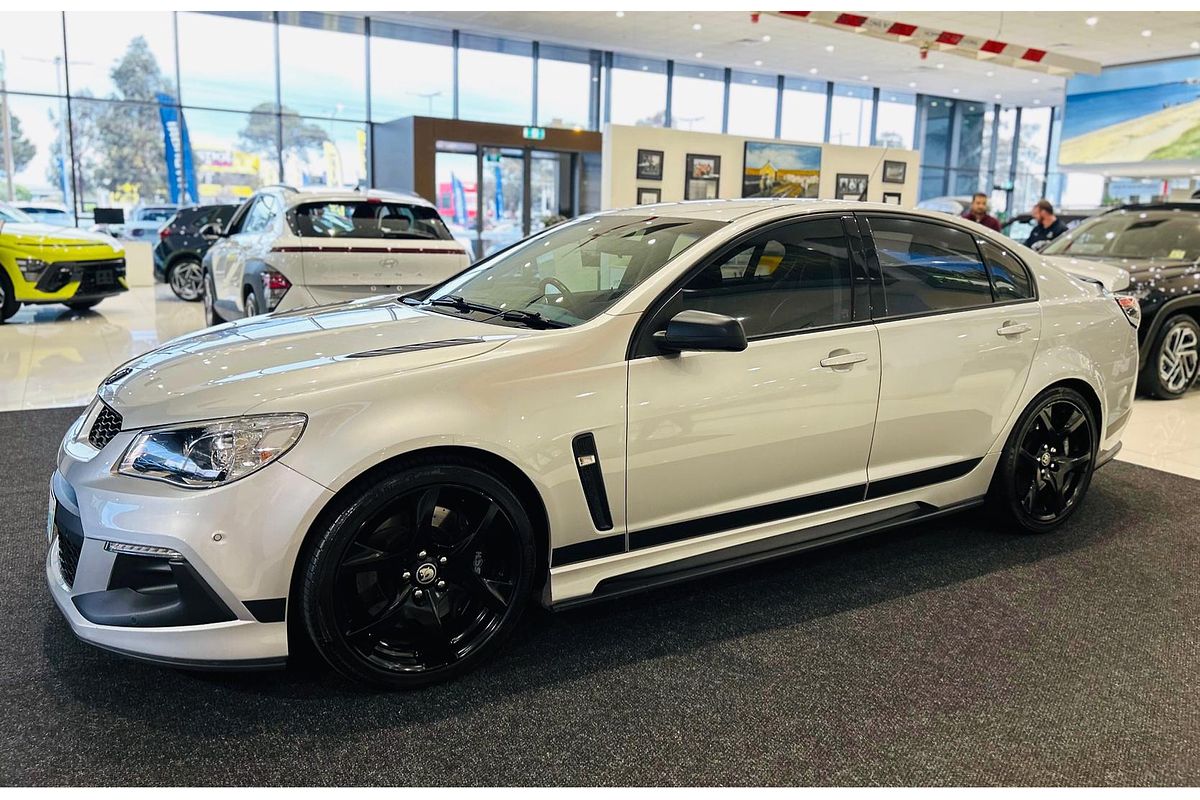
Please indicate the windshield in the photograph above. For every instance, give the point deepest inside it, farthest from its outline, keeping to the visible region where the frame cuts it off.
(367, 219)
(1160, 234)
(10, 214)
(155, 214)
(571, 273)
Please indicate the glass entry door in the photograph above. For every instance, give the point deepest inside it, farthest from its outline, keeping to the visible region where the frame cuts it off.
(491, 197)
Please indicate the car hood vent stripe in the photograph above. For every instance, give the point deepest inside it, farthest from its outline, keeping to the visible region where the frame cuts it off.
(412, 348)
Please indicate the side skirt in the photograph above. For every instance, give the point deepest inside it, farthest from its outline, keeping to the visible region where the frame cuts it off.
(764, 550)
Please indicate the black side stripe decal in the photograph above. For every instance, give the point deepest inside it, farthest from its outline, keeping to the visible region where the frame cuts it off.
(759, 515)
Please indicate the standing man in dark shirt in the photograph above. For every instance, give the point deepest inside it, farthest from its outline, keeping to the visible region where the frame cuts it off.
(1048, 227)
(978, 212)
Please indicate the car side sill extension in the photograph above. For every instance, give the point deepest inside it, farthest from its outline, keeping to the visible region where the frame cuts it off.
(764, 550)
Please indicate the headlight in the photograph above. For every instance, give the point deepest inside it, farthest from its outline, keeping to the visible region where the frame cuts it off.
(200, 455)
(1138, 291)
(31, 268)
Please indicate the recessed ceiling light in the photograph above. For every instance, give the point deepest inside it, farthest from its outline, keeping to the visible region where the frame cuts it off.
(864, 77)
(644, 68)
(766, 37)
(941, 66)
(620, 13)
(1037, 102)
(991, 74)
(1091, 21)
(1147, 33)
(696, 26)
(812, 71)
(699, 54)
(828, 48)
(912, 84)
(1196, 45)
(997, 97)
(758, 62)
(700, 74)
(1037, 80)
(954, 90)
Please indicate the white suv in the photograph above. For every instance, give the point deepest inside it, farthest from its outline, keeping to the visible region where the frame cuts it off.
(287, 249)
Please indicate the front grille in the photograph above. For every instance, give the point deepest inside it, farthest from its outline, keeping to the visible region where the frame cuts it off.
(107, 425)
(68, 558)
(93, 276)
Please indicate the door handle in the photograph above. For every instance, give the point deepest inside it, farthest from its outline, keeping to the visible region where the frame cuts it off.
(1012, 329)
(842, 358)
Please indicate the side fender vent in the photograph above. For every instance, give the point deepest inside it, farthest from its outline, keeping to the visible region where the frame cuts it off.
(592, 480)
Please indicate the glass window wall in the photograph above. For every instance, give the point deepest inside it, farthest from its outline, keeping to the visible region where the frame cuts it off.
(752, 101)
(495, 80)
(565, 77)
(412, 72)
(322, 65)
(697, 98)
(638, 93)
(803, 110)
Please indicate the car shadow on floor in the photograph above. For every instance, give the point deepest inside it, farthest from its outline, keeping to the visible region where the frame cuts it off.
(554, 650)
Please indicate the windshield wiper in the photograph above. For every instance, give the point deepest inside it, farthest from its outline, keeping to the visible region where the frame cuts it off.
(532, 319)
(458, 303)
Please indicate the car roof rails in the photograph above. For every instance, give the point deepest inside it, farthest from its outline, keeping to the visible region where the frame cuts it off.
(285, 186)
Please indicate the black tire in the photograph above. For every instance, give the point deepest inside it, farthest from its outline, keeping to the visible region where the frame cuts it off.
(8, 298)
(186, 279)
(82, 305)
(1174, 359)
(211, 317)
(418, 576)
(1047, 464)
(250, 303)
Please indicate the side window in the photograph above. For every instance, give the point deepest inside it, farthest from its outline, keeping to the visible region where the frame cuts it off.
(1010, 279)
(790, 278)
(255, 219)
(928, 267)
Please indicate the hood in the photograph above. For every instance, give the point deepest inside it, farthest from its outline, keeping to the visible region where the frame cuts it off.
(39, 234)
(230, 369)
(1112, 274)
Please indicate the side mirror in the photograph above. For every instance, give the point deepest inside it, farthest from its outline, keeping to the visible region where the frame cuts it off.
(1039, 246)
(210, 231)
(701, 330)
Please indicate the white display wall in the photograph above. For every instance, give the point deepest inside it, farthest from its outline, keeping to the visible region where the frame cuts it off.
(620, 183)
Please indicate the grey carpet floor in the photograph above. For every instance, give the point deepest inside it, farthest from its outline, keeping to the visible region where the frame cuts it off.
(951, 653)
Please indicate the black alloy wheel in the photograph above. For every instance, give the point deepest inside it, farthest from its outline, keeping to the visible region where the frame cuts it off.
(420, 577)
(1048, 463)
(209, 298)
(186, 279)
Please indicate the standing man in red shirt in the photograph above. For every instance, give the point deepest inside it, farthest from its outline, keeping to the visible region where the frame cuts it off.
(978, 212)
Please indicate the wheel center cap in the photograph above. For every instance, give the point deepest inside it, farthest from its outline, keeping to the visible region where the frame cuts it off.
(426, 573)
(1045, 459)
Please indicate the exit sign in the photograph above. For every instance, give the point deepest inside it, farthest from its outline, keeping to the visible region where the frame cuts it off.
(534, 133)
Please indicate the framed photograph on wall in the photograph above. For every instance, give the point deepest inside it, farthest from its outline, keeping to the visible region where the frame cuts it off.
(649, 165)
(776, 169)
(895, 171)
(702, 177)
(850, 187)
(647, 196)
(892, 197)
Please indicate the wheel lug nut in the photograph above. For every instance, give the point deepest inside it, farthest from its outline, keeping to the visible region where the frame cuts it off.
(441, 584)
(418, 594)
(421, 554)
(406, 575)
(442, 560)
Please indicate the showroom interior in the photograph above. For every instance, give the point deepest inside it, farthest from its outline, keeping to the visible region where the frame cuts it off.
(953, 652)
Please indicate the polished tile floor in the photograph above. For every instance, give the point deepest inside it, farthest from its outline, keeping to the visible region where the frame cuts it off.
(51, 356)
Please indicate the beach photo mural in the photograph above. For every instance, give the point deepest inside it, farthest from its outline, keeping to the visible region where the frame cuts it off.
(773, 169)
(1144, 112)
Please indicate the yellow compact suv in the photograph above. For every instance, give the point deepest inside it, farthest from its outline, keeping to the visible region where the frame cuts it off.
(50, 264)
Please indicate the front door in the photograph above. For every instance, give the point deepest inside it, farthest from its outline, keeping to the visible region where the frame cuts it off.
(957, 341)
(721, 440)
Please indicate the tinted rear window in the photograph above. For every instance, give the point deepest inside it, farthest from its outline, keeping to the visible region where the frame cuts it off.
(928, 267)
(366, 220)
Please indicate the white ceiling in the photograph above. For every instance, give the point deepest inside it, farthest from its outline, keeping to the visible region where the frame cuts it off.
(730, 38)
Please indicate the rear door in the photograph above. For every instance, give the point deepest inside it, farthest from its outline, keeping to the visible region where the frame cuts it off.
(957, 341)
(372, 246)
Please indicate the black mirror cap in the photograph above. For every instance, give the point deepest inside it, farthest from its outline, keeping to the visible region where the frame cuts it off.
(702, 330)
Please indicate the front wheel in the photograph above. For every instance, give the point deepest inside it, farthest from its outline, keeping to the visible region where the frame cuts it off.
(1174, 359)
(1047, 464)
(8, 299)
(186, 279)
(419, 576)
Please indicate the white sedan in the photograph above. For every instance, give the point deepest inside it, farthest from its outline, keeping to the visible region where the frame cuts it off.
(621, 401)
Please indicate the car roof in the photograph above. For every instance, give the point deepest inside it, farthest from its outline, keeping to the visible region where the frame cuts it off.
(1174, 205)
(322, 194)
(768, 207)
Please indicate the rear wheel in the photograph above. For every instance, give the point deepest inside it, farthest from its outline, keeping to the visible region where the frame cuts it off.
(8, 299)
(1174, 359)
(209, 297)
(251, 304)
(1047, 465)
(420, 576)
(186, 279)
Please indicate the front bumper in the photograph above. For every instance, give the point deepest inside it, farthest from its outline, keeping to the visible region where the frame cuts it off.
(71, 281)
(219, 604)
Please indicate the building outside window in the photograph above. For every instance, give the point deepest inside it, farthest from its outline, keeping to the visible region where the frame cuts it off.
(752, 101)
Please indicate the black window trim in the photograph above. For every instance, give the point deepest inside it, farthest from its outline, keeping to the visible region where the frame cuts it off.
(877, 270)
(640, 341)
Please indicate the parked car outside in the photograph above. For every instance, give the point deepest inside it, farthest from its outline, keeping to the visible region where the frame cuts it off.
(48, 213)
(179, 254)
